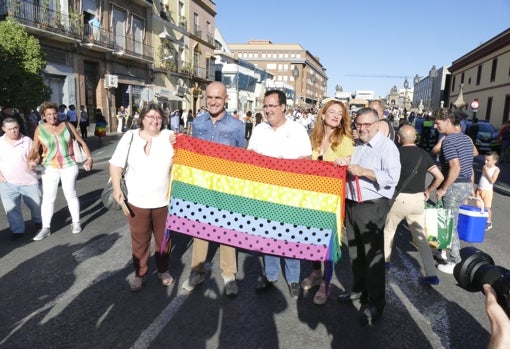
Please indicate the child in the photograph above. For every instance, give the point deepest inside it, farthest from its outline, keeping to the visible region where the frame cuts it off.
(490, 173)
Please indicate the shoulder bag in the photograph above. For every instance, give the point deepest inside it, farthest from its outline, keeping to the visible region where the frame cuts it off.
(79, 154)
(406, 182)
(107, 195)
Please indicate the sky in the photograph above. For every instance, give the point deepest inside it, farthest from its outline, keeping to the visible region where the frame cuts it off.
(388, 40)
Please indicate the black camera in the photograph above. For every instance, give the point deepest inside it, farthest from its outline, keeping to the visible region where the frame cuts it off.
(476, 269)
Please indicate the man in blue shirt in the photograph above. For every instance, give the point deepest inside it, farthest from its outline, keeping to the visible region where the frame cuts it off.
(216, 125)
(456, 157)
(95, 25)
(373, 174)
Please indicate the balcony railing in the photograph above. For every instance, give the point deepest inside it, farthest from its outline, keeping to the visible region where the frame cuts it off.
(71, 27)
(197, 31)
(210, 39)
(42, 18)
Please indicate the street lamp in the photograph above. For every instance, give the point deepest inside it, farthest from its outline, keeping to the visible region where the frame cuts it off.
(406, 86)
(432, 76)
(416, 79)
(295, 75)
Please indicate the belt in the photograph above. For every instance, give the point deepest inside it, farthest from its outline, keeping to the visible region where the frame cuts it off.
(373, 201)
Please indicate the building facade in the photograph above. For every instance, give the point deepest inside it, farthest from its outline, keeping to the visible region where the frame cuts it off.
(106, 54)
(183, 36)
(484, 74)
(293, 68)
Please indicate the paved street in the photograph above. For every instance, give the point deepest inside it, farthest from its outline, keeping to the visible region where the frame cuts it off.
(71, 291)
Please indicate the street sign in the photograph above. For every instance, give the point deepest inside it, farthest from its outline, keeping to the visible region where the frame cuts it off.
(474, 104)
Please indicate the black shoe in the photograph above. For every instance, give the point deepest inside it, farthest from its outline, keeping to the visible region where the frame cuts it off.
(294, 290)
(370, 315)
(263, 284)
(349, 297)
(15, 237)
(38, 226)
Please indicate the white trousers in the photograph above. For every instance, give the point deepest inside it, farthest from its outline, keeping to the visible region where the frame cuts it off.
(50, 179)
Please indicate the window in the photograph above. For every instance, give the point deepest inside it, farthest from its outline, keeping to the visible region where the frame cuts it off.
(462, 78)
(196, 60)
(119, 28)
(494, 69)
(137, 35)
(453, 83)
(489, 108)
(479, 75)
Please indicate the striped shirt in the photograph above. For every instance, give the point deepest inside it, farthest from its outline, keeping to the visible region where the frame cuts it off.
(457, 146)
(56, 149)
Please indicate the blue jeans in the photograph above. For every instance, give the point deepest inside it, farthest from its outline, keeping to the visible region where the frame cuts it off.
(454, 197)
(272, 268)
(11, 199)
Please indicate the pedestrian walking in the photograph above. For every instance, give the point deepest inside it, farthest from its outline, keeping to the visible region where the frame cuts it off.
(17, 181)
(59, 166)
(409, 204)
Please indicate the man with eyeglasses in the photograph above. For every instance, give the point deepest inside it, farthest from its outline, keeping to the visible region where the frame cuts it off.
(283, 138)
(373, 174)
(216, 125)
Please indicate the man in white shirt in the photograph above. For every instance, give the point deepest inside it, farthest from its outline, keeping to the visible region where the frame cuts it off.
(280, 138)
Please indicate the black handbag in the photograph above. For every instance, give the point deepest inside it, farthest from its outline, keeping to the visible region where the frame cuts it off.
(107, 195)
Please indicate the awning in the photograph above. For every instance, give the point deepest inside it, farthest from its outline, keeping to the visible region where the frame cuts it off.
(164, 93)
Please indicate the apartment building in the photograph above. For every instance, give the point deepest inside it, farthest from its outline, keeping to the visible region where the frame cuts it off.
(484, 74)
(293, 68)
(183, 37)
(106, 54)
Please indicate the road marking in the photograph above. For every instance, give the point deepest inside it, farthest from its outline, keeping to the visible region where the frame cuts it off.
(432, 319)
(155, 328)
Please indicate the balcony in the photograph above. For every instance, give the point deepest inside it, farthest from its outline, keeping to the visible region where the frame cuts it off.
(197, 32)
(144, 3)
(182, 22)
(210, 39)
(43, 22)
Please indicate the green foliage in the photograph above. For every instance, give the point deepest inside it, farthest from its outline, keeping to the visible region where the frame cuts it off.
(21, 64)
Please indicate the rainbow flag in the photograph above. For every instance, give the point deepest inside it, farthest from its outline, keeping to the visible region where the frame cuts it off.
(229, 195)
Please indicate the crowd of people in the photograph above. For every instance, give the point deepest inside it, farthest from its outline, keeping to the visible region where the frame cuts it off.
(385, 184)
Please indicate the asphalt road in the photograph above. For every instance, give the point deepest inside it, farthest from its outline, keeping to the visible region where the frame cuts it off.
(71, 291)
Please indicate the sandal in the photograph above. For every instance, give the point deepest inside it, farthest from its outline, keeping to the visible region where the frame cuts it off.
(311, 281)
(136, 283)
(166, 278)
(321, 296)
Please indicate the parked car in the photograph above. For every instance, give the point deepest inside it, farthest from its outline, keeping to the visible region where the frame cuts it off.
(427, 137)
(487, 137)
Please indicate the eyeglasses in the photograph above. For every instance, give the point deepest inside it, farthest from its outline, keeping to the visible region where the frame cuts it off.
(365, 125)
(271, 106)
(155, 118)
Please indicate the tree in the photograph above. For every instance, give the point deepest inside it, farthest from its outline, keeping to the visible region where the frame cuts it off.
(21, 64)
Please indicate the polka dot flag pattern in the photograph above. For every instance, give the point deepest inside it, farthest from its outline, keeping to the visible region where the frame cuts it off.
(288, 208)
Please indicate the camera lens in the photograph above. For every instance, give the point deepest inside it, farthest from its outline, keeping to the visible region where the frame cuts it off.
(474, 263)
(476, 269)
